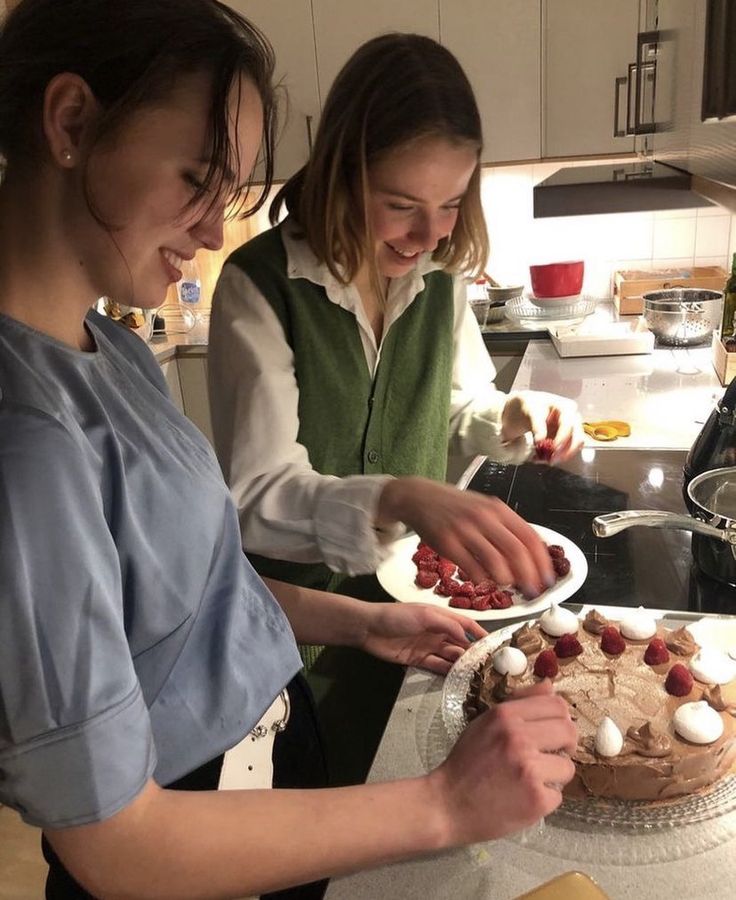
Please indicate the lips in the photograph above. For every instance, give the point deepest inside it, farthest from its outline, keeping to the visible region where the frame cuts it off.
(173, 264)
(407, 255)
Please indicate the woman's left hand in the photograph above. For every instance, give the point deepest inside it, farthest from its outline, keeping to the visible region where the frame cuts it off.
(417, 634)
(546, 416)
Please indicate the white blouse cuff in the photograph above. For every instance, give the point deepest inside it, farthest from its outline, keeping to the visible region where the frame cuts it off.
(345, 517)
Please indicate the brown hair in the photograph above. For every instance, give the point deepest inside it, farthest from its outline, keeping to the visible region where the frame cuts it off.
(130, 53)
(395, 89)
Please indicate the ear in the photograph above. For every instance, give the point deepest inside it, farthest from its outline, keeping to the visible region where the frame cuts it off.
(69, 111)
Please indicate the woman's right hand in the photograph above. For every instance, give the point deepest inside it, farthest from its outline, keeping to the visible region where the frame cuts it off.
(481, 534)
(508, 768)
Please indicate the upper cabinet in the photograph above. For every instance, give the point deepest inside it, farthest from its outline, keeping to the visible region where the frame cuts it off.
(340, 27)
(588, 49)
(288, 26)
(553, 78)
(497, 43)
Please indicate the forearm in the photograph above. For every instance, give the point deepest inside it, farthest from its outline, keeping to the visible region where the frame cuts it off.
(318, 617)
(182, 845)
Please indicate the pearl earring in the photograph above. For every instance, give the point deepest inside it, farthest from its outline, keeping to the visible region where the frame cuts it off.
(66, 155)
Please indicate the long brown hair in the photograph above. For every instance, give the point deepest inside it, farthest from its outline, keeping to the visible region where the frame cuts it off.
(395, 89)
(130, 53)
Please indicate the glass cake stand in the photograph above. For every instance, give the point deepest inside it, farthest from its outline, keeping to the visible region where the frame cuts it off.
(616, 832)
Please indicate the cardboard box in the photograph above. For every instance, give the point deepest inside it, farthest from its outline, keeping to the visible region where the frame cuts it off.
(629, 285)
(723, 362)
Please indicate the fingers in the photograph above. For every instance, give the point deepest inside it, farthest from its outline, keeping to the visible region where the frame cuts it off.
(454, 625)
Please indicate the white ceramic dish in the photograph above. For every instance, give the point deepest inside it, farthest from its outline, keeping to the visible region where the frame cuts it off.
(610, 339)
(547, 302)
(397, 573)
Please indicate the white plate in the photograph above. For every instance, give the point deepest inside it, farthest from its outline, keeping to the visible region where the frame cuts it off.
(397, 573)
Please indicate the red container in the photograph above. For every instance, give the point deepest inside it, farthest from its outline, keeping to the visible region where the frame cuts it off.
(561, 279)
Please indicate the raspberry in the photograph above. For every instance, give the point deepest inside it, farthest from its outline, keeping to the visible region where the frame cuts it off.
(544, 449)
(485, 587)
(446, 568)
(612, 642)
(466, 589)
(502, 599)
(482, 602)
(561, 565)
(426, 579)
(545, 665)
(568, 645)
(446, 587)
(423, 554)
(656, 653)
(459, 602)
(679, 681)
(430, 565)
(555, 551)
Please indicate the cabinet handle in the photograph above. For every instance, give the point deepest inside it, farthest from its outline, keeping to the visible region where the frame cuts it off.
(309, 133)
(620, 82)
(646, 72)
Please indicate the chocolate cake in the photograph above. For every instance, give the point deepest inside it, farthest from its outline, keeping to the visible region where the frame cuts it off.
(656, 713)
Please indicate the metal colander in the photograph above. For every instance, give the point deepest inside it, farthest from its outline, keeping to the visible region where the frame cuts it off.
(683, 317)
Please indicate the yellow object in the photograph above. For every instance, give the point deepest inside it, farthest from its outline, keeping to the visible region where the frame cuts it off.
(608, 430)
(570, 886)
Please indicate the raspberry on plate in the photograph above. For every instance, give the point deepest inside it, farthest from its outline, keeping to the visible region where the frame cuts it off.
(426, 579)
(545, 665)
(544, 449)
(555, 551)
(482, 602)
(459, 601)
(568, 645)
(612, 642)
(561, 565)
(679, 681)
(446, 568)
(656, 653)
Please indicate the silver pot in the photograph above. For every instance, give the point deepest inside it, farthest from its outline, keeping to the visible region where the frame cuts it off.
(683, 317)
(713, 523)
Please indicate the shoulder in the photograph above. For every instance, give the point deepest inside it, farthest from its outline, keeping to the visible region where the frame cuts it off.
(129, 347)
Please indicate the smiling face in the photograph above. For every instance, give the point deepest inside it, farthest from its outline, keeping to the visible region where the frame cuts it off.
(141, 181)
(414, 198)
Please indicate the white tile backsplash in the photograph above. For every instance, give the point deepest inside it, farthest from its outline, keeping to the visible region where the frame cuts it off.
(646, 240)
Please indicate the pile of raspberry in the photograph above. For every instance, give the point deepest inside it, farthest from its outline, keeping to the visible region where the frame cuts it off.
(447, 580)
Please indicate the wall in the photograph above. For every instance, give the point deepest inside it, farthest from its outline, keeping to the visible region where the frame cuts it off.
(672, 238)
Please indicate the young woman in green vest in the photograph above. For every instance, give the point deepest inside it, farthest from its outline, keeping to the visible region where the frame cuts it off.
(344, 359)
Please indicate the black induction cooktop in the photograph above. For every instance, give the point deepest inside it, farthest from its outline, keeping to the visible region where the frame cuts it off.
(638, 567)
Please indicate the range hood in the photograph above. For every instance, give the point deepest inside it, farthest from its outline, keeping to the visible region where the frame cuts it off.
(628, 187)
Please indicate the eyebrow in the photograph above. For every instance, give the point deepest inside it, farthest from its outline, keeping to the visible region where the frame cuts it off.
(391, 193)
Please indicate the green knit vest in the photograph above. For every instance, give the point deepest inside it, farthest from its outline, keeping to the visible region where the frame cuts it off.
(350, 423)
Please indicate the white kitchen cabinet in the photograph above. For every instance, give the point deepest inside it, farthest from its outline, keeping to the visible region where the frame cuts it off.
(586, 46)
(340, 27)
(288, 26)
(497, 43)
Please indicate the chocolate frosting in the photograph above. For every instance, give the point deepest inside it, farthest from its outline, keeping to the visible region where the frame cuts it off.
(527, 639)
(714, 695)
(681, 642)
(647, 741)
(594, 622)
(504, 688)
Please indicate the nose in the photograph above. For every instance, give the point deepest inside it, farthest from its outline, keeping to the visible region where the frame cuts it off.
(427, 230)
(208, 228)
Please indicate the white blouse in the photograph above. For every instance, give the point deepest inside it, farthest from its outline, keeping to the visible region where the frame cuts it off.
(287, 509)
